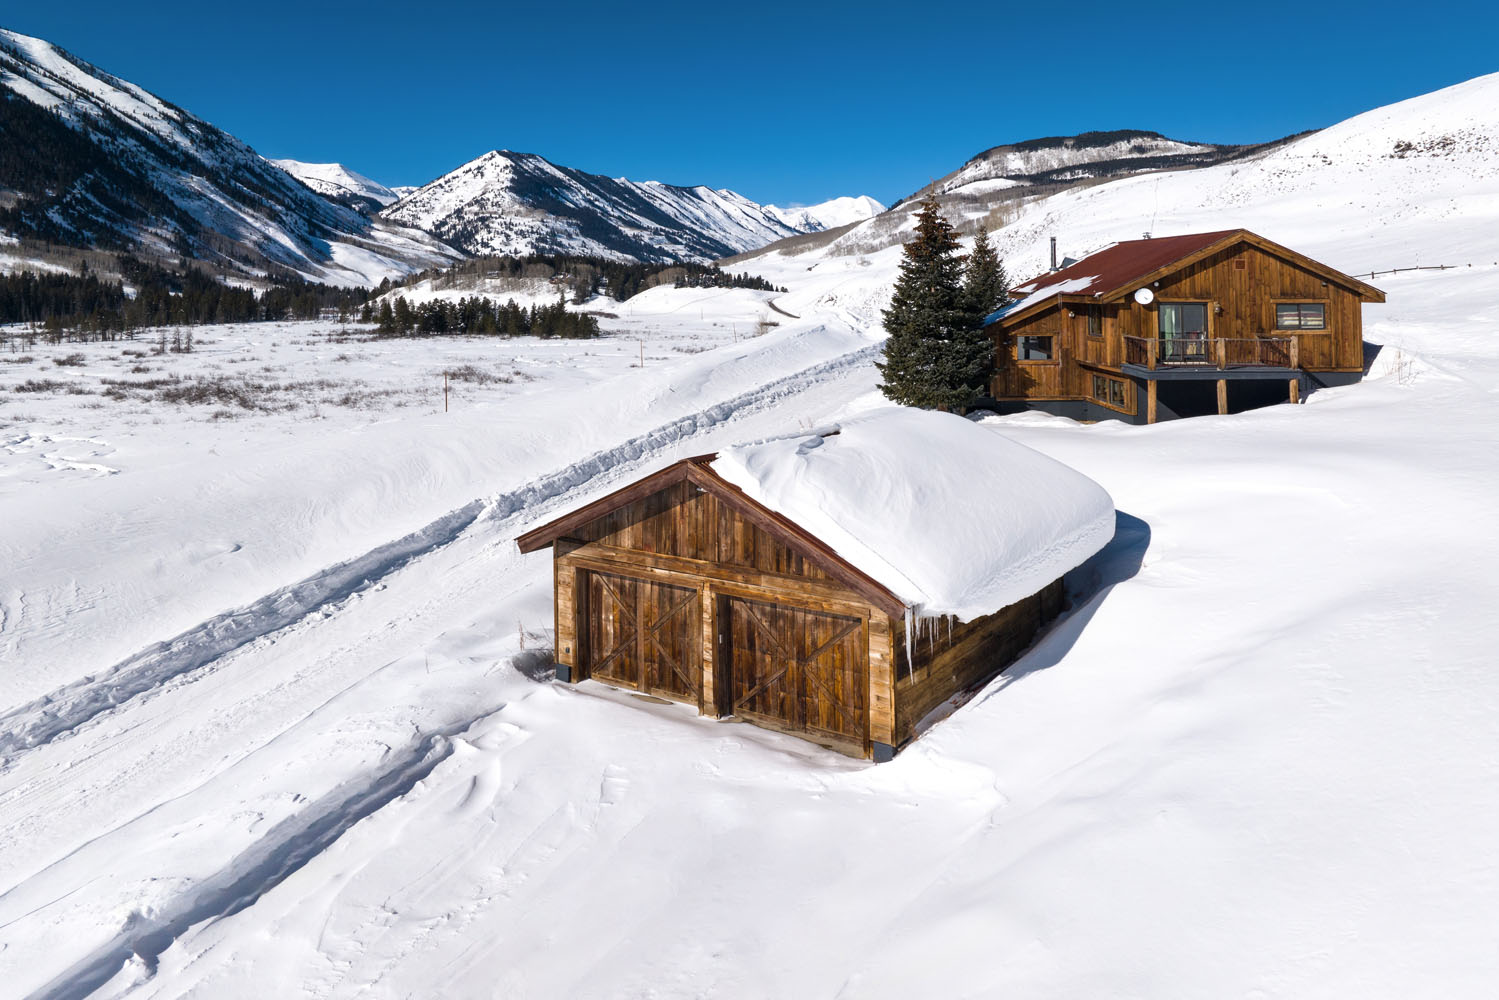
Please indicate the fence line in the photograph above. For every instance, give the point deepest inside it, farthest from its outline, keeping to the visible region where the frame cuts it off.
(1419, 267)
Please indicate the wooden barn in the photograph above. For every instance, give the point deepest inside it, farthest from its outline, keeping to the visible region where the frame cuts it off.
(1150, 329)
(837, 586)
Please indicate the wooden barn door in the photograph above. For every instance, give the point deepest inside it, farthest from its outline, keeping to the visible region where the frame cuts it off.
(644, 635)
(797, 669)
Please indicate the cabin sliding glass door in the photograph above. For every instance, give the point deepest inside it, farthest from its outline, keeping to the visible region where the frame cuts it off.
(1184, 331)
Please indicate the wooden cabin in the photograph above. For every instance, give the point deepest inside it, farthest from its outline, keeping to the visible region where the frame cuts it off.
(1178, 326)
(684, 586)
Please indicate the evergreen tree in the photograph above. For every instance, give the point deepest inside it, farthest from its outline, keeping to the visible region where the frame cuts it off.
(937, 356)
(984, 280)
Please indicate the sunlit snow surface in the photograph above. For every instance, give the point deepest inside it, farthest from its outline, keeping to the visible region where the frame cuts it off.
(1259, 757)
(950, 517)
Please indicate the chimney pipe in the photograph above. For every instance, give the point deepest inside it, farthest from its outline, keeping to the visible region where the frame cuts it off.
(1053, 253)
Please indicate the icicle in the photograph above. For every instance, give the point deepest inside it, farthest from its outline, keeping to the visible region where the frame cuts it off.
(910, 645)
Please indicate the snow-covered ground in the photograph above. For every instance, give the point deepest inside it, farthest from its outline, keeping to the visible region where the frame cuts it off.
(276, 716)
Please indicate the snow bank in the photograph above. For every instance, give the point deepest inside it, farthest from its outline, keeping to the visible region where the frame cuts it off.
(950, 516)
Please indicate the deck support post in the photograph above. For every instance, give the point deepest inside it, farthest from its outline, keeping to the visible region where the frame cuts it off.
(1150, 395)
(1152, 350)
(1221, 350)
(1222, 396)
(1296, 390)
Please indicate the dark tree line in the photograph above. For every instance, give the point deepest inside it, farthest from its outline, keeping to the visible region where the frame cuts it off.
(478, 316)
(90, 305)
(27, 297)
(584, 276)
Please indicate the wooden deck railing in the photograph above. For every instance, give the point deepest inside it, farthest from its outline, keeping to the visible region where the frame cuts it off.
(1238, 352)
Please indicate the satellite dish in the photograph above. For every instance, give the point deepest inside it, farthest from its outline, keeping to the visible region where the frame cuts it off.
(1144, 296)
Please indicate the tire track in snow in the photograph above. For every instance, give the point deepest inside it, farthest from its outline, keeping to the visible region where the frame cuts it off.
(284, 850)
(69, 707)
(58, 713)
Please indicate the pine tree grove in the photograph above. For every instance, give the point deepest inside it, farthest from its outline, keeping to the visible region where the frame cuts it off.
(937, 355)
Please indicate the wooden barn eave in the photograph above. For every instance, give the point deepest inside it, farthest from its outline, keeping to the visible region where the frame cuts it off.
(697, 471)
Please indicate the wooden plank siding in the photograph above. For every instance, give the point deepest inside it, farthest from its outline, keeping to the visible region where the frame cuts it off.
(946, 657)
(1240, 284)
(1247, 295)
(682, 536)
(1032, 379)
(678, 594)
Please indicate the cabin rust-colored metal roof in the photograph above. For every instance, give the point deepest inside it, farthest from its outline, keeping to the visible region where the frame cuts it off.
(1118, 270)
(1124, 263)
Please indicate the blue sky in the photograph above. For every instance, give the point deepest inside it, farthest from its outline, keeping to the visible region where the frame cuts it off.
(783, 102)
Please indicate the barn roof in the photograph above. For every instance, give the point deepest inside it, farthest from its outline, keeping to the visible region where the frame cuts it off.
(1118, 270)
(912, 509)
(952, 517)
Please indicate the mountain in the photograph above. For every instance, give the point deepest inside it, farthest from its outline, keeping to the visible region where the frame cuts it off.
(337, 182)
(992, 187)
(828, 214)
(519, 203)
(88, 160)
(1065, 160)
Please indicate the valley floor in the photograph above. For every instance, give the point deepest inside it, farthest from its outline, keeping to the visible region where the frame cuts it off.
(276, 716)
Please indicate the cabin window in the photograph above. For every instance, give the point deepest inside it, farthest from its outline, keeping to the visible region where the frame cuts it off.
(1184, 331)
(1109, 391)
(1095, 321)
(1033, 349)
(1300, 316)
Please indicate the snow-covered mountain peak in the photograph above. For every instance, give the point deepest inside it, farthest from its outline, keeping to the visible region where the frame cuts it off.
(128, 170)
(506, 202)
(338, 182)
(828, 214)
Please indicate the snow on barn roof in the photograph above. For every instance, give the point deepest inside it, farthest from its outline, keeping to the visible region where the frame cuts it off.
(951, 517)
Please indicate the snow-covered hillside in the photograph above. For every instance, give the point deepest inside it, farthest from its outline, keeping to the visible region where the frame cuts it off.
(829, 214)
(118, 167)
(277, 718)
(991, 188)
(519, 203)
(337, 182)
(1060, 159)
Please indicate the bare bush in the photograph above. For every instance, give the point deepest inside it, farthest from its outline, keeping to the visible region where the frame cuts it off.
(71, 361)
(42, 385)
(474, 375)
(217, 391)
